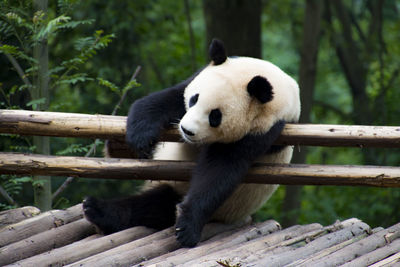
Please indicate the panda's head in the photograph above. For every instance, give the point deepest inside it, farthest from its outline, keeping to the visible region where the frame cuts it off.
(228, 99)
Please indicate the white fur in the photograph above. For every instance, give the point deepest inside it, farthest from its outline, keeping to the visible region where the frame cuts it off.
(225, 87)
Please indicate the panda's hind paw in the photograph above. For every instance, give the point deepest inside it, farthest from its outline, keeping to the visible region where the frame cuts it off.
(95, 211)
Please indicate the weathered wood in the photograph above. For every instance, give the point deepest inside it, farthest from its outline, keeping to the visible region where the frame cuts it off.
(392, 261)
(17, 215)
(39, 243)
(244, 241)
(361, 247)
(146, 248)
(376, 256)
(40, 223)
(217, 243)
(178, 170)
(114, 127)
(321, 243)
(278, 242)
(80, 250)
(26, 122)
(323, 253)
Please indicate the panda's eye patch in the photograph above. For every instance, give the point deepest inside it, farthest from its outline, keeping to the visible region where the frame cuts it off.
(215, 117)
(193, 100)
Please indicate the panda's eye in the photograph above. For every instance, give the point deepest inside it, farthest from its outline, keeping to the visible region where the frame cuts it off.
(215, 117)
(193, 100)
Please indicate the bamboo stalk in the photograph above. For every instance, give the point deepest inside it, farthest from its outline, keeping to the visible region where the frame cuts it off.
(113, 127)
(23, 164)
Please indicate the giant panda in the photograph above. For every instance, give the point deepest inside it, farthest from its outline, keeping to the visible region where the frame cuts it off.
(229, 114)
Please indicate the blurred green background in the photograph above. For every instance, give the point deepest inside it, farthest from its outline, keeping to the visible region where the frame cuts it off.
(345, 55)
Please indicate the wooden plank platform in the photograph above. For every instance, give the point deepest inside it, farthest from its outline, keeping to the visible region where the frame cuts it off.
(65, 238)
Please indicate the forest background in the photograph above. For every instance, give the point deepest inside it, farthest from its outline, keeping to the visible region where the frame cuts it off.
(80, 56)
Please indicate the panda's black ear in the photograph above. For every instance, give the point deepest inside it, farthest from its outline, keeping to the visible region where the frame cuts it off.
(260, 88)
(217, 52)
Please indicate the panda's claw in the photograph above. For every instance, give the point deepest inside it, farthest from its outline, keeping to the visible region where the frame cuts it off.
(187, 231)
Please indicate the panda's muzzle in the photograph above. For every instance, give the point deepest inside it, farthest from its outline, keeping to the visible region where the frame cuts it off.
(187, 132)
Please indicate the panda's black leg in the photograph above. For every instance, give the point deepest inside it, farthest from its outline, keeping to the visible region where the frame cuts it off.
(149, 115)
(154, 208)
(220, 169)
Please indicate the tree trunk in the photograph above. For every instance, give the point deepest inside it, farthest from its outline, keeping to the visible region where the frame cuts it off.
(308, 70)
(42, 184)
(235, 22)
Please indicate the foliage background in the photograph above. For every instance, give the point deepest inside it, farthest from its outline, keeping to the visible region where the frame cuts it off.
(155, 35)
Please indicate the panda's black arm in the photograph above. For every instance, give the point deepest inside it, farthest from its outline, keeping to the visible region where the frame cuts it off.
(220, 169)
(149, 115)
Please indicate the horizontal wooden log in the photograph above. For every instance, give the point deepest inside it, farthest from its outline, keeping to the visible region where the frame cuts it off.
(274, 258)
(376, 256)
(24, 164)
(40, 223)
(151, 246)
(80, 250)
(39, 243)
(221, 246)
(17, 215)
(278, 242)
(360, 248)
(114, 127)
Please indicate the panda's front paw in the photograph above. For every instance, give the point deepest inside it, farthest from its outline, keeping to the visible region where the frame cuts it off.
(188, 230)
(142, 141)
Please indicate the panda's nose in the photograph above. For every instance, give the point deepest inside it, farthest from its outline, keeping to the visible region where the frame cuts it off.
(187, 131)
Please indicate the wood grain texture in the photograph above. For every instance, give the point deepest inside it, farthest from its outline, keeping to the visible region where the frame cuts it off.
(114, 127)
(22, 164)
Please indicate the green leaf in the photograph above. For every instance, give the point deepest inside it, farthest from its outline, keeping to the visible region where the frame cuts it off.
(9, 49)
(73, 79)
(52, 26)
(132, 84)
(108, 84)
(74, 24)
(73, 149)
(34, 103)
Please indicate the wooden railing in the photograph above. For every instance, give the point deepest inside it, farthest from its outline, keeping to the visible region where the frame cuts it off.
(113, 127)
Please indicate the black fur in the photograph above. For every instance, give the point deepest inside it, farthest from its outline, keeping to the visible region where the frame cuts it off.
(260, 88)
(217, 52)
(149, 115)
(154, 208)
(193, 100)
(219, 170)
(215, 118)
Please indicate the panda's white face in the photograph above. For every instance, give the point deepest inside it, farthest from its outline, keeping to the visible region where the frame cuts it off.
(240, 96)
(216, 111)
